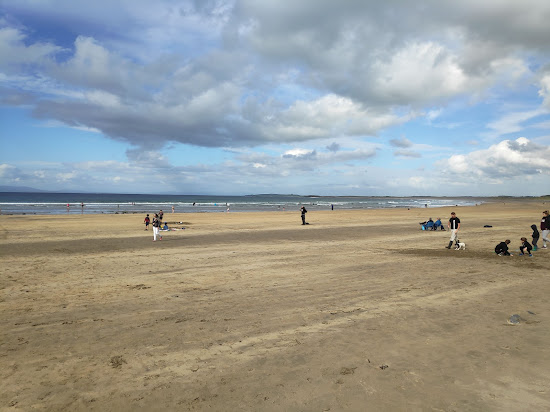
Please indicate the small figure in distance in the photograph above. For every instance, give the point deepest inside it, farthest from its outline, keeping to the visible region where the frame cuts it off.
(535, 237)
(525, 247)
(502, 248)
(303, 212)
(147, 221)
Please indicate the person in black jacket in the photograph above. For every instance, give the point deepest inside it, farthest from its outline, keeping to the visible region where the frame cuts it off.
(525, 247)
(535, 236)
(303, 212)
(502, 248)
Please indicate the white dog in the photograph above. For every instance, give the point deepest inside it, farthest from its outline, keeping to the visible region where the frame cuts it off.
(460, 245)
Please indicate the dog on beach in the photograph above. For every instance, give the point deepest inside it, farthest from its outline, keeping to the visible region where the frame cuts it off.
(460, 245)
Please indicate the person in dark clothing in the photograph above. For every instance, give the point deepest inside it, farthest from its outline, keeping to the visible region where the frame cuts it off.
(303, 212)
(525, 247)
(535, 237)
(502, 248)
(454, 226)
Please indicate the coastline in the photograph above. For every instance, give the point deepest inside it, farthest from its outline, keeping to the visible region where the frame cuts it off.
(254, 311)
(18, 203)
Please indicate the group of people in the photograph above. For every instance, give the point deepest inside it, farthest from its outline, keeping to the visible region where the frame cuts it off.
(156, 223)
(431, 225)
(526, 248)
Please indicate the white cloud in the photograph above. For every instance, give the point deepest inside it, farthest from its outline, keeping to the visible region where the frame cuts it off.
(298, 153)
(544, 91)
(512, 122)
(420, 72)
(14, 51)
(509, 159)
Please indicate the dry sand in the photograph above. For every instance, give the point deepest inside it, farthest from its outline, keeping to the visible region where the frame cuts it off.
(360, 310)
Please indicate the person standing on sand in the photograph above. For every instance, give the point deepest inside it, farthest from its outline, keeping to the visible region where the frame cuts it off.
(454, 226)
(156, 228)
(147, 221)
(303, 213)
(545, 228)
(535, 237)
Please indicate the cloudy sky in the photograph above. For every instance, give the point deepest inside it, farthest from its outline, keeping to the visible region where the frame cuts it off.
(350, 97)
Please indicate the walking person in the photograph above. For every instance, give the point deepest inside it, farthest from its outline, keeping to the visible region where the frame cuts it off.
(303, 213)
(156, 228)
(147, 221)
(454, 226)
(545, 228)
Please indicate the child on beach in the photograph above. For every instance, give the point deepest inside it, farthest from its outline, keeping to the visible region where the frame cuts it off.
(535, 237)
(502, 248)
(525, 247)
(147, 221)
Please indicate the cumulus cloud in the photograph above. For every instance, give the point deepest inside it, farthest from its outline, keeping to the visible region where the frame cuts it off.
(223, 81)
(506, 160)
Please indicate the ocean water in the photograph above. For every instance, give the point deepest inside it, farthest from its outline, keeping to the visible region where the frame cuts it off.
(56, 203)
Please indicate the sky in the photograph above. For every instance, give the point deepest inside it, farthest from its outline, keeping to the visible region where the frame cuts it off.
(336, 98)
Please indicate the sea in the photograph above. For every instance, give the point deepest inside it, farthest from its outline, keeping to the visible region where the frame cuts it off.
(46, 203)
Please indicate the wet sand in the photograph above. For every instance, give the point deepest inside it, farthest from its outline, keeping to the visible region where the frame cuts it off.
(359, 310)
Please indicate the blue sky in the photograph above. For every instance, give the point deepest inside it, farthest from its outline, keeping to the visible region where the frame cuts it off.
(273, 96)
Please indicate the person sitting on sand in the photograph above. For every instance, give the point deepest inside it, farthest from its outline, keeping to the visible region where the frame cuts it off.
(502, 248)
(165, 226)
(437, 224)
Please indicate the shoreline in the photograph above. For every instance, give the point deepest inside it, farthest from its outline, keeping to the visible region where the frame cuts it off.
(76, 209)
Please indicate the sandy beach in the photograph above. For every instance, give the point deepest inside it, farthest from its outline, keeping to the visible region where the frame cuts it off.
(359, 310)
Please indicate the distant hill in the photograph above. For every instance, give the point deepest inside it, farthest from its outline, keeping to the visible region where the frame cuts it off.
(20, 189)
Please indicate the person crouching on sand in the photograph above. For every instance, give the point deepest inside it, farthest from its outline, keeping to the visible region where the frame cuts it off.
(502, 248)
(525, 247)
